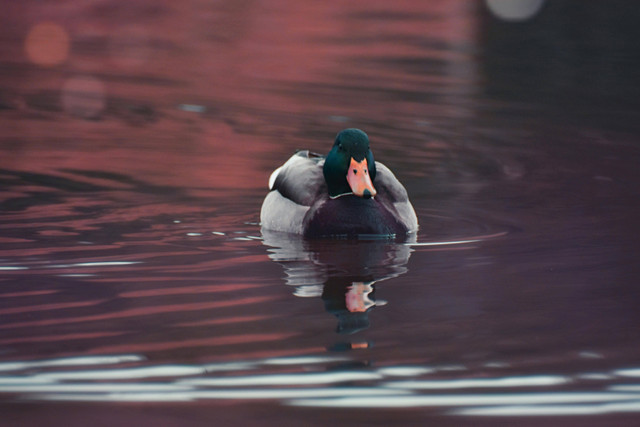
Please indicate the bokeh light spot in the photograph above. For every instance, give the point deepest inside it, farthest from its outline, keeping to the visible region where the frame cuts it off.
(47, 44)
(84, 96)
(514, 10)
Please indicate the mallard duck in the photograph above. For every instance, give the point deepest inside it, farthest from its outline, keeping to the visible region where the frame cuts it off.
(346, 193)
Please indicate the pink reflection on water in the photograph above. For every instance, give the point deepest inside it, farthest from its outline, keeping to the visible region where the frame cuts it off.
(240, 64)
(199, 342)
(140, 311)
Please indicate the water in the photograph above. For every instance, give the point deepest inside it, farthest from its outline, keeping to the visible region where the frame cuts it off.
(137, 287)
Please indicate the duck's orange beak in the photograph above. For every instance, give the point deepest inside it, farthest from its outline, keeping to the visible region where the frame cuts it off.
(359, 179)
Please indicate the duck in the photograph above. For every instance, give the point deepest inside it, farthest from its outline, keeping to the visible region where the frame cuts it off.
(343, 194)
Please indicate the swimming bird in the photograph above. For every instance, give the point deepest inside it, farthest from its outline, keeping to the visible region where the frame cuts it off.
(345, 194)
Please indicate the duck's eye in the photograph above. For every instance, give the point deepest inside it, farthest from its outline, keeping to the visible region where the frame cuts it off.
(355, 171)
(365, 171)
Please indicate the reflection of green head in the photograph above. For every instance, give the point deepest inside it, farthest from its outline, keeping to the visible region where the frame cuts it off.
(350, 144)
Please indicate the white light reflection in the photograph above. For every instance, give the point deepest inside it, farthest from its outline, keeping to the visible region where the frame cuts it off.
(89, 388)
(192, 108)
(405, 371)
(70, 361)
(414, 401)
(96, 264)
(451, 368)
(590, 355)
(127, 373)
(594, 376)
(633, 372)
(224, 394)
(626, 387)
(6, 382)
(231, 366)
(286, 379)
(308, 291)
(304, 360)
(532, 381)
(115, 397)
(127, 378)
(552, 410)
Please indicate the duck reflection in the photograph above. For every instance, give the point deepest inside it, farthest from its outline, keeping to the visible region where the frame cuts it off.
(350, 301)
(341, 272)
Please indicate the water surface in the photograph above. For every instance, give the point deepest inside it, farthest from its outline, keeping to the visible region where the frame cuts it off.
(136, 285)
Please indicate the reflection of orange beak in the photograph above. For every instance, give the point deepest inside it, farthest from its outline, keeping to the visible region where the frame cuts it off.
(359, 180)
(357, 297)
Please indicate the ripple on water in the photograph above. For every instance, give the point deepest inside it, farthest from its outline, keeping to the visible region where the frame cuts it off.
(310, 381)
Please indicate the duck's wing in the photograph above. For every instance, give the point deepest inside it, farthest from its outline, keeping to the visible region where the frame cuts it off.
(393, 194)
(295, 187)
(300, 179)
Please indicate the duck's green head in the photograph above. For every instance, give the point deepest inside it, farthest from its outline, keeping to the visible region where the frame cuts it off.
(349, 167)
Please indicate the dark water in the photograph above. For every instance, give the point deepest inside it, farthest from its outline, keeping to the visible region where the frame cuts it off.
(137, 288)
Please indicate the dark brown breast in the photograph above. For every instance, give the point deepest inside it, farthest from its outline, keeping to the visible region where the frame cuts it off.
(351, 216)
